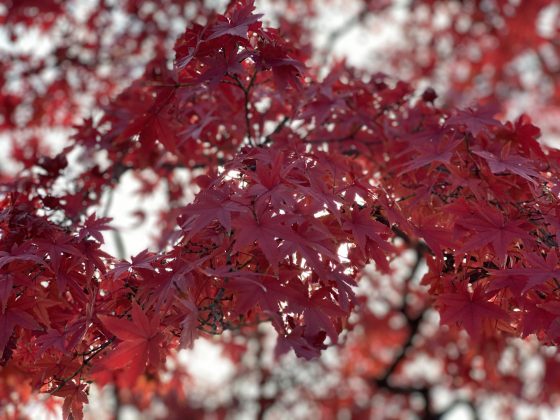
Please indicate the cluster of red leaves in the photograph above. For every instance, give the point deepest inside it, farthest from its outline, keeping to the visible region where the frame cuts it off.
(303, 181)
(91, 54)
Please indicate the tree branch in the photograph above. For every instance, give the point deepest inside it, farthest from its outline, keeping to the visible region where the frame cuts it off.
(247, 104)
(85, 362)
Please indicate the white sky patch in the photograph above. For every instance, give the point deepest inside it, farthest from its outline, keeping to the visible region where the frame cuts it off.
(125, 202)
(215, 369)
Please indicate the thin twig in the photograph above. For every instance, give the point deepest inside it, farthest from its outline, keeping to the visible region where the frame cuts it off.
(413, 323)
(455, 404)
(277, 129)
(85, 362)
(247, 103)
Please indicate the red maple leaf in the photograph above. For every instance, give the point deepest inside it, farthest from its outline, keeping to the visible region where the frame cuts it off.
(472, 310)
(23, 252)
(505, 161)
(436, 149)
(93, 227)
(139, 346)
(475, 120)
(363, 226)
(538, 271)
(488, 226)
(74, 394)
(209, 206)
(190, 323)
(238, 24)
(15, 315)
(141, 261)
(264, 229)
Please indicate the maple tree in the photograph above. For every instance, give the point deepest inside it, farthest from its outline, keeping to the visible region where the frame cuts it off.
(338, 209)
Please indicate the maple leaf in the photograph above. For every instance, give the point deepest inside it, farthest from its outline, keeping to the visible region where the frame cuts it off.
(52, 339)
(67, 273)
(189, 44)
(194, 130)
(238, 24)
(152, 119)
(322, 106)
(264, 229)
(320, 191)
(12, 316)
(271, 183)
(538, 317)
(267, 291)
(489, 226)
(315, 244)
(249, 293)
(74, 394)
(209, 205)
(24, 252)
(162, 285)
(93, 227)
(190, 323)
(217, 66)
(461, 178)
(57, 245)
(307, 347)
(320, 314)
(162, 128)
(505, 161)
(476, 120)
(93, 256)
(140, 343)
(470, 309)
(434, 150)
(272, 54)
(143, 260)
(434, 230)
(363, 227)
(538, 271)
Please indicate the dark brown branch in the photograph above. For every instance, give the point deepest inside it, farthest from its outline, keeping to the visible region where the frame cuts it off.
(455, 404)
(247, 103)
(413, 323)
(277, 129)
(85, 362)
